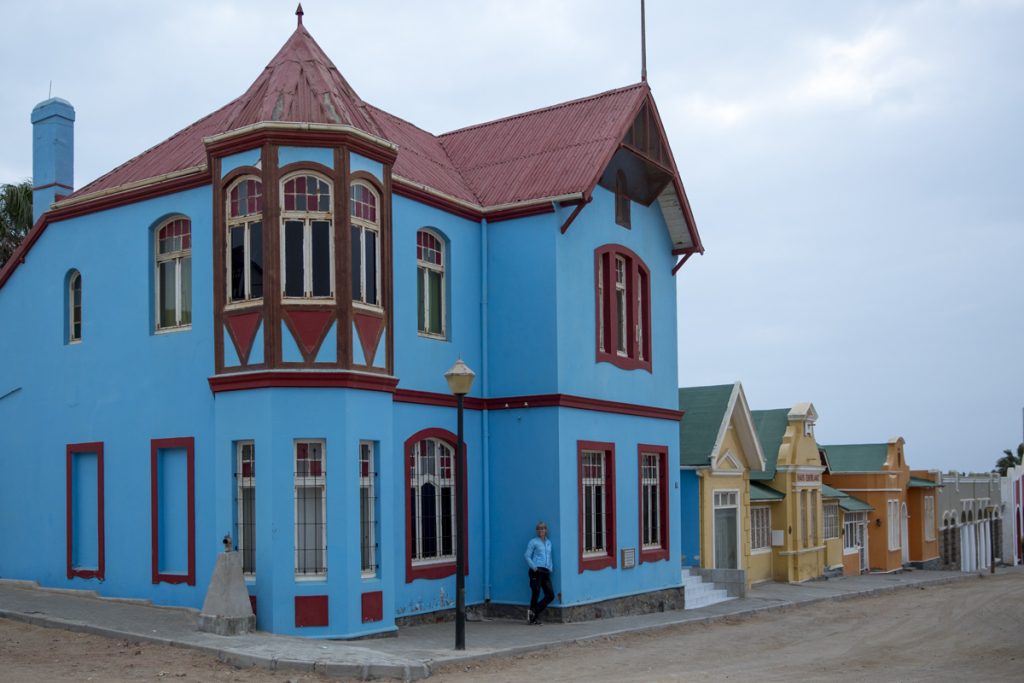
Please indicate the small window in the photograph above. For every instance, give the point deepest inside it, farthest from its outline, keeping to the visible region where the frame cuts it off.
(365, 219)
(73, 307)
(307, 238)
(432, 501)
(596, 472)
(174, 274)
(622, 206)
(368, 562)
(623, 308)
(653, 503)
(831, 520)
(310, 509)
(893, 511)
(760, 528)
(245, 241)
(430, 284)
(245, 504)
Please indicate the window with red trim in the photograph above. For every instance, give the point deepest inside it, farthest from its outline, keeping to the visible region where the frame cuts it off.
(596, 489)
(653, 477)
(623, 301)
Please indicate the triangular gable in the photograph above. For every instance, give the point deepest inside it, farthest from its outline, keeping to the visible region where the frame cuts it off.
(728, 462)
(705, 404)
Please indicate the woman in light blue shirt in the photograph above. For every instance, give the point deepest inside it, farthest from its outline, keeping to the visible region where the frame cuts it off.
(539, 558)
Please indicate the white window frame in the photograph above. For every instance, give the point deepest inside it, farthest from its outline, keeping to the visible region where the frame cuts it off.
(307, 481)
(177, 257)
(307, 218)
(241, 483)
(72, 308)
(893, 510)
(639, 315)
(368, 483)
(589, 486)
(651, 489)
(831, 514)
(929, 518)
(364, 226)
(423, 268)
(621, 305)
(600, 306)
(440, 482)
(246, 221)
(760, 529)
(851, 520)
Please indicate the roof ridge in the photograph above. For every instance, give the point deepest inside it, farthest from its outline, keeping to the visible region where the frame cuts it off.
(540, 110)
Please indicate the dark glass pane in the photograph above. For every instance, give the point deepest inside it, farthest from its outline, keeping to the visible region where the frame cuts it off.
(447, 512)
(357, 275)
(248, 525)
(420, 302)
(364, 527)
(321, 260)
(371, 267)
(168, 317)
(429, 520)
(300, 202)
(412, 517)
(434, 290)
(293, 269)
(237, 262)
(256, 260)
(186, 291)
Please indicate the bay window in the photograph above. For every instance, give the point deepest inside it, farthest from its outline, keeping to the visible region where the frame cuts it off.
(245, 241)
(364, 216)
(307, 238)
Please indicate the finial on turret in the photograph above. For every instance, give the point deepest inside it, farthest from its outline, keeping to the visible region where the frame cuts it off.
(299, 13)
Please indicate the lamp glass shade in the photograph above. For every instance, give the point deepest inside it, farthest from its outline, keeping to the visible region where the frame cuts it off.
(460, 378)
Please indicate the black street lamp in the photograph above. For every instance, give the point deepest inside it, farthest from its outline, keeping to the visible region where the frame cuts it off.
(460, 380)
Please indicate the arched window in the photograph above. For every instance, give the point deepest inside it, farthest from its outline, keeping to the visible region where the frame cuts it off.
(173, 263)
(74, 307)
(245, 240)
(431, 464)
(430, 284)
(365, 219)
(307, 238)
(623, 308)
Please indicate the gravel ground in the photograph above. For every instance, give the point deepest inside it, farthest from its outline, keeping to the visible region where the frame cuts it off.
(968, 630)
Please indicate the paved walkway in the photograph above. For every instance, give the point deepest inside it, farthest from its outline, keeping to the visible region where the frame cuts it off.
(413, 654)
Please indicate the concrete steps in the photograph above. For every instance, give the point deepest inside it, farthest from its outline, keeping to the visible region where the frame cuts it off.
(700, 593)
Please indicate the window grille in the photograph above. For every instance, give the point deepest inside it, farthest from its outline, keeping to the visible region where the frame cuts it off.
(245, 502)
(307, 238)
(310, 509)
(831, 520)
(364, 218)
(174, 274)
(368, 555)
(929, 518)
(245, 241)
(852, 530)
(430, 283)
(432, 494)
(620, 301)
(651, 484)
(594, 479)
(760, 528)
(726, 499)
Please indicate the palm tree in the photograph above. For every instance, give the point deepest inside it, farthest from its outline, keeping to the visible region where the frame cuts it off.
(1010, 460)
(15, 216)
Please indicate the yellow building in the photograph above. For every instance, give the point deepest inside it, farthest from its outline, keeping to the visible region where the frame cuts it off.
(718, 450)
(793, 468)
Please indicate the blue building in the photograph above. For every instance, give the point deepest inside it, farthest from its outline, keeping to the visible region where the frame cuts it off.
(243, 332)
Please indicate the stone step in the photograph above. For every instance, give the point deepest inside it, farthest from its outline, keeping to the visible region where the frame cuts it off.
(700, 593)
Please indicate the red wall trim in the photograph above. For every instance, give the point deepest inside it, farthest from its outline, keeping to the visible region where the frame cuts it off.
(300, 378)
(430, 398)
(373, 606)
(537, 401)
(609, 560)
(662, 553)
(311, 610)
(433, 571)
(98, 573)
(188, 443)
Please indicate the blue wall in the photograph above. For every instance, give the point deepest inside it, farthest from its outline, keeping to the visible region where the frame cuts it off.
(689, 516)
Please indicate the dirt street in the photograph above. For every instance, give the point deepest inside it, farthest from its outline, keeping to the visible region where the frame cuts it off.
(969, 630)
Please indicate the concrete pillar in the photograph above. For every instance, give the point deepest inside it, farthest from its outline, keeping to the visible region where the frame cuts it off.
(53, 153)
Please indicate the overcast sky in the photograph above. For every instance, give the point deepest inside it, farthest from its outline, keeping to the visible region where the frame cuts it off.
(855, 168)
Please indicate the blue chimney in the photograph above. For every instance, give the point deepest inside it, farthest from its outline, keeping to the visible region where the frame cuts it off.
(53, 153)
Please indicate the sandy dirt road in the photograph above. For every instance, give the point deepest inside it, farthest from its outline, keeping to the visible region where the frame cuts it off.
(969, 630)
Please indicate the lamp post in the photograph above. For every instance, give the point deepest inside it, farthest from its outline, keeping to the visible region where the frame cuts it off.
(460, 380)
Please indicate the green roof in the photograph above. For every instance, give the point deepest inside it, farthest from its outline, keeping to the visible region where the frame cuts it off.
(846, 501)
(760, 493)
(771, 427)
(919, 483)
(703, 412)
(864, 457)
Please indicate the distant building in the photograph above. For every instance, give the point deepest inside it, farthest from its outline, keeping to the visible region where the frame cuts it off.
(972, 514)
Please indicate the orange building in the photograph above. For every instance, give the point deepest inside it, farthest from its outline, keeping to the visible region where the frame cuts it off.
(903, 520)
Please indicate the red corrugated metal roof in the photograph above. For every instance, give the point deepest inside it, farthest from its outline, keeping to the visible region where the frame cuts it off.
(549, 152)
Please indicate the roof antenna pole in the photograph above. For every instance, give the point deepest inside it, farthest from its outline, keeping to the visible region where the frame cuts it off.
(50, 96)
(299, 13)
(643, 42)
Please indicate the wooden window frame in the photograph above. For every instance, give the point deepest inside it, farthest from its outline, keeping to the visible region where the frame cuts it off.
(71, 450)
(73, 311)
(364, 225)
(307, 218)
(423, 268)
(310, 481)
(637, 295)
(177, 257)
(657, 551)
(368, 482)
(248, 222)
(244, 481)
(830, 511)
(760, 529)
(607, 558)
(156, 445)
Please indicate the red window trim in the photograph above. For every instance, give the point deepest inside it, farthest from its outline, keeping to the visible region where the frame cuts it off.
(638, 275)
(603, 561)
(188, 443)
(98, 573)
(442, 569)
(662, 553)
